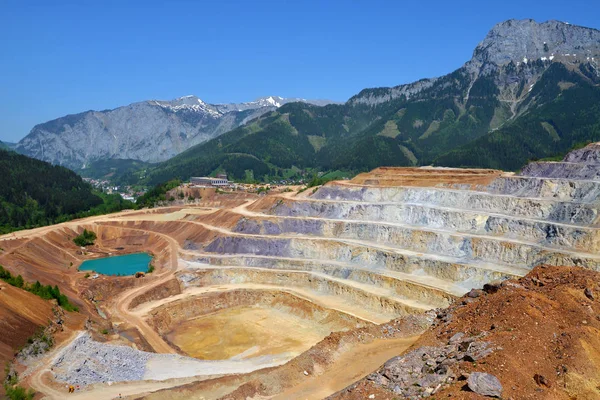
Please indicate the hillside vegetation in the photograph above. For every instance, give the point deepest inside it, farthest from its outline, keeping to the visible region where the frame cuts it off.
(35, 193)
(4, 146)
(46, 292)
(450, 123)
(558, 120)
(118, 171)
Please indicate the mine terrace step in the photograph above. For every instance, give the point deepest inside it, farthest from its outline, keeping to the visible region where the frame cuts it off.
(425, 290)
(358, 206)
(493, 189)
(575, 239)
(397, 249)
(500, 270)
(426, 281)
(332, 302)
(372, 290)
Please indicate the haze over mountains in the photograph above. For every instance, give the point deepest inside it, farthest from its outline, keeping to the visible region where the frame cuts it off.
(530, 90)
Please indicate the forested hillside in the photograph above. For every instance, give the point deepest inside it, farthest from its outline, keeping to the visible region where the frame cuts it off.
(565, 113)
(4, 146)
(449, 123)
(35, 193)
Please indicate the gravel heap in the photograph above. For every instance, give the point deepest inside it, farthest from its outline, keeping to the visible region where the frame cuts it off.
(86, 362)
(424, 371)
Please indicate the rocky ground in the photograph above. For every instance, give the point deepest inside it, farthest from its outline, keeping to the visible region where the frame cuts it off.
(532, 338)
(87, 362)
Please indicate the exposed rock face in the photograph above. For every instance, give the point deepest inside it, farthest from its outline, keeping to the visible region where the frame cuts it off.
(578, 164)
(589, 154)
(525, 40)
(540, 328)
(150, 131)
(515, 42)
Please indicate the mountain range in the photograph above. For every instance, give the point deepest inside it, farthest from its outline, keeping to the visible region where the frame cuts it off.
(149, 131)
(530, 90)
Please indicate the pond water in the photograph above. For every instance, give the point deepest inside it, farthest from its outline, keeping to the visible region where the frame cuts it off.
(118, 265)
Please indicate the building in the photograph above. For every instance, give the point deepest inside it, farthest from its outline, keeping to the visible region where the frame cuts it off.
(207, 181)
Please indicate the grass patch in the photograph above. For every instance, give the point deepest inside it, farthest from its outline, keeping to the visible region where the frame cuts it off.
(408, 154)
(551, 131)
(390, 129)
(317, 142)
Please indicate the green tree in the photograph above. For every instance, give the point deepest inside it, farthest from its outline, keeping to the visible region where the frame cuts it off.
(87, 238)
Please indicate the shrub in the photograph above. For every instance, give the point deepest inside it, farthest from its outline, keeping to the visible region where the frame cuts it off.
(87, 238)
(18, 393)
(13, 391)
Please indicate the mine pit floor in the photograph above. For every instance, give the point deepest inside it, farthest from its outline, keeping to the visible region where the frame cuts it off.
(243, 332)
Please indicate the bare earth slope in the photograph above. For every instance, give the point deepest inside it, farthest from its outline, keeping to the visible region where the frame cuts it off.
(21, 315)
(544, 329)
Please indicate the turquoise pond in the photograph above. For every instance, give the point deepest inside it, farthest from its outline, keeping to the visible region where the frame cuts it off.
(118, 265)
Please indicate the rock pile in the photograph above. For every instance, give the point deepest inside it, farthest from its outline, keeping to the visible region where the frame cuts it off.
(424, 371)
(87, 362)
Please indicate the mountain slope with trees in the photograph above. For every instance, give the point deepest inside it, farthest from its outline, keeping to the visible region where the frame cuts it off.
(35, 193)
(516, 87)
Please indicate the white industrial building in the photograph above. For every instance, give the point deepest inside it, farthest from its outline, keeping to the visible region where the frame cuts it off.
(208, 181)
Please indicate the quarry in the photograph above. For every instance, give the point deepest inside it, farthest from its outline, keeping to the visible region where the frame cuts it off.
(298, 294)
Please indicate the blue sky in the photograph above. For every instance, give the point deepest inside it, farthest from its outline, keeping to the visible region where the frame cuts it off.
(63, 57)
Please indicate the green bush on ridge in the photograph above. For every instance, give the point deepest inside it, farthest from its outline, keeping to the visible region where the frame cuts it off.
(87, 238)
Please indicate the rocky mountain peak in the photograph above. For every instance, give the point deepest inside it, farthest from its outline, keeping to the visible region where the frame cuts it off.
(522, 41)
(187, 100)
(272, 101)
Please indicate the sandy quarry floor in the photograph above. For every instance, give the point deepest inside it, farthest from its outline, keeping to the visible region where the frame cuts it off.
(243, 332)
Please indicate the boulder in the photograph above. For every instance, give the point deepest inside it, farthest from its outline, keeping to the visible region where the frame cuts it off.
(485, 384)
(541, 380)
(475, 293)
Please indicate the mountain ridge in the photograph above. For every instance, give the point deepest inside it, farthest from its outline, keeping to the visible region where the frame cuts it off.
(149, 131)
(518, 72)
(514, 80)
